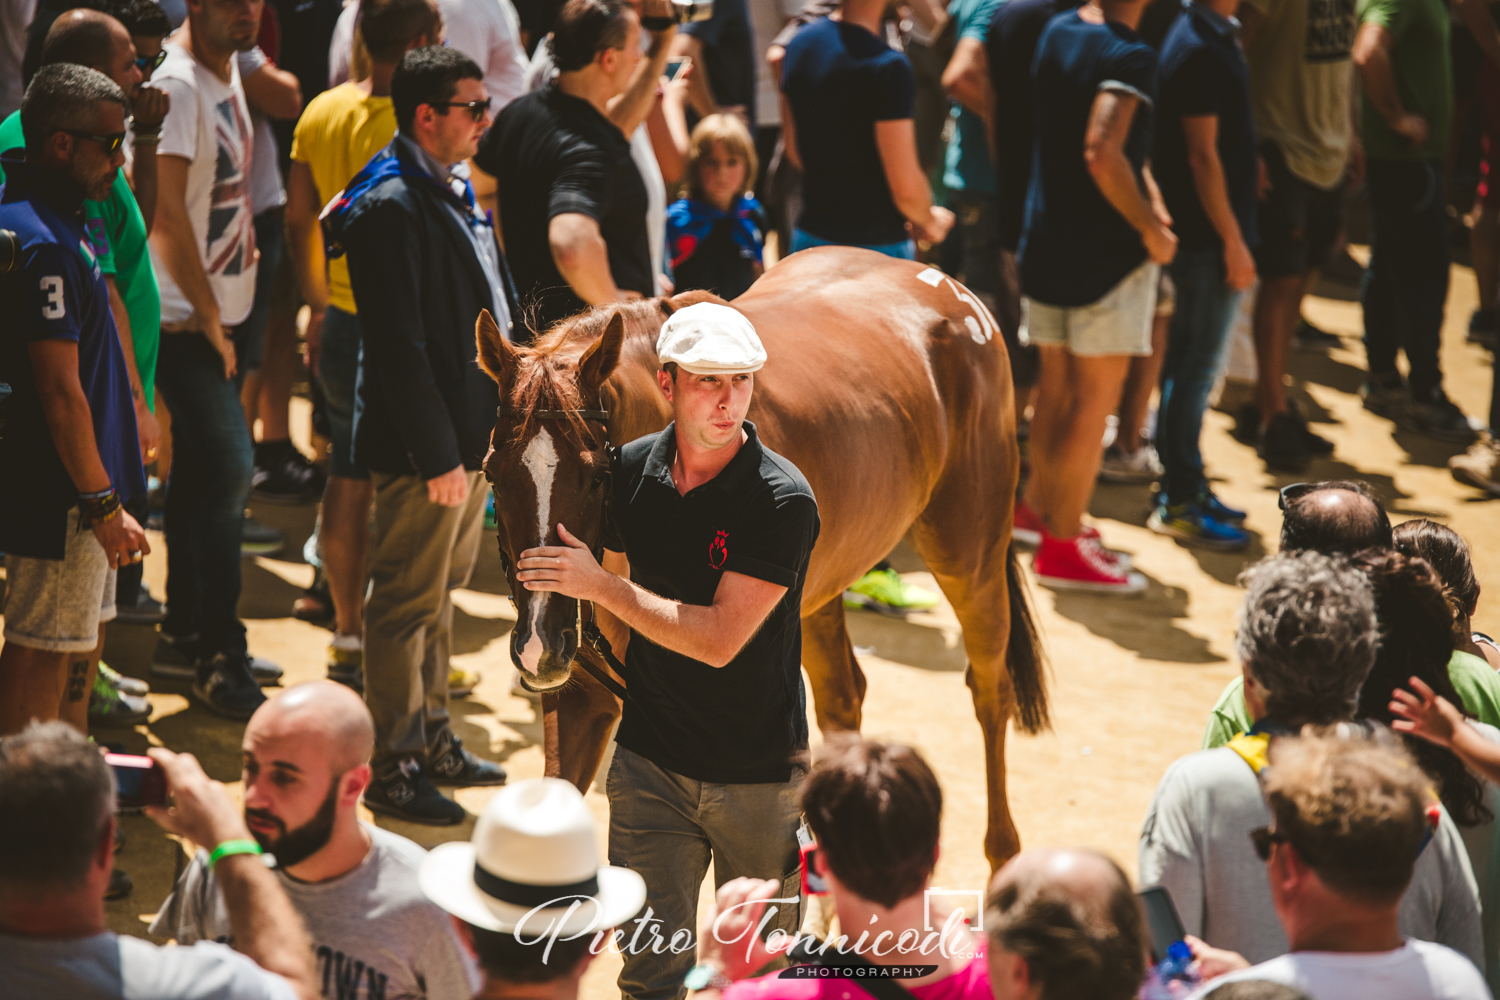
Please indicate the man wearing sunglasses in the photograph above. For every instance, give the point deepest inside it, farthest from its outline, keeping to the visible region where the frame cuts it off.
(423, 263)
(68, 458)
(1349, 821)
(1306, 639)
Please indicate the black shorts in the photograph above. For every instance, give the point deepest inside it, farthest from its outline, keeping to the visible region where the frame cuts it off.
(1298, 222)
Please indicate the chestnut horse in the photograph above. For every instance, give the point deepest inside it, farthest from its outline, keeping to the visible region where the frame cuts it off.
(887, 384)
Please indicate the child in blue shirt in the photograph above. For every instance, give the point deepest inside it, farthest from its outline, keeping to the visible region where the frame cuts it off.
(716, 234)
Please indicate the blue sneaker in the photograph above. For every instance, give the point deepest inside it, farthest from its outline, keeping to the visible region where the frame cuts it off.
(1191, 523)
(1218, 509)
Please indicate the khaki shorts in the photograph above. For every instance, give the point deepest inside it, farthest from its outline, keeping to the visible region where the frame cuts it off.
(58, 605)
(1119, 323)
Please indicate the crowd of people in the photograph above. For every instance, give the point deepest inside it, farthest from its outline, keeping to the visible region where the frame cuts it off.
(195, 191)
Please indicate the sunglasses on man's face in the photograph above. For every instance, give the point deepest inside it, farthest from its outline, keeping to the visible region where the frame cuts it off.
(149, 63)
(111, 143)
(476, 108)
(1263, 837)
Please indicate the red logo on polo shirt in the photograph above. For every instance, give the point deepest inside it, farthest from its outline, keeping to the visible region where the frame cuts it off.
(718, 549)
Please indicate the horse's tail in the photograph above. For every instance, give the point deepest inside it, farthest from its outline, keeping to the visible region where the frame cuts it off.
(1024, 655)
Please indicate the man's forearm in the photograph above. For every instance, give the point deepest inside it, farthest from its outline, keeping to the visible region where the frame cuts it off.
(67, 412)
(143, 181)
(306, 247)
(179, 252)
(1116, 180)
(694, 630)
(127, 342)
(582, 259)
(263, 922)
(1208, 181)
(632, 107)
(1378, 82)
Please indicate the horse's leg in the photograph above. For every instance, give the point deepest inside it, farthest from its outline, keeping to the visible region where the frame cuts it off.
(576, 723)
(965, 541)
(838, 685)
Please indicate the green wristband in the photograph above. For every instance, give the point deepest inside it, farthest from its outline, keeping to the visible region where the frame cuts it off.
(229, 847)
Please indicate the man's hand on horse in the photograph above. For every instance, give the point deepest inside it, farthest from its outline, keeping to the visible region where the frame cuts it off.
(569, 569)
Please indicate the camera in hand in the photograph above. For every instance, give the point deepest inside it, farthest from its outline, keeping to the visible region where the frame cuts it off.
(138, 781)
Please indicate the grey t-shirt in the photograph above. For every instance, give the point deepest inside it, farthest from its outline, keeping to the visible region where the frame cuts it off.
(1196, 843)
(375, 935)
(108, 966)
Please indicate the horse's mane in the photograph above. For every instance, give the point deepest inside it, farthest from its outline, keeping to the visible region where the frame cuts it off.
(547, 372)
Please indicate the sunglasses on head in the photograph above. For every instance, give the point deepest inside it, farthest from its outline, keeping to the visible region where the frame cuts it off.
(478, 109)
(145, 63)
(1289, 494)
(111, 143)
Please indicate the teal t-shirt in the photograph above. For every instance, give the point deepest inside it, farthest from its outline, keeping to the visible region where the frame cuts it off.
(117, 231)
(1477, 684)
(967, 165)
(1421, 63)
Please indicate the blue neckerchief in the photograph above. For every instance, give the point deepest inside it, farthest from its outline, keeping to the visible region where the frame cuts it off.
(384, 165)
(689, 223)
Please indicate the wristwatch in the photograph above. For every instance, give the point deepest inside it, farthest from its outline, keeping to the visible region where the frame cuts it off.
(706, 977)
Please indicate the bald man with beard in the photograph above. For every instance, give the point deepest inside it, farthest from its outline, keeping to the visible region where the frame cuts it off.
(306, 763)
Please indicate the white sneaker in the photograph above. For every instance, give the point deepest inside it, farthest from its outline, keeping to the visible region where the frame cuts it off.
(1139, 466)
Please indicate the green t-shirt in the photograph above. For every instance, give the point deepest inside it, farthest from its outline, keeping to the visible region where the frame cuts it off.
(1478, 686)
(117, 231)
(1421, 64)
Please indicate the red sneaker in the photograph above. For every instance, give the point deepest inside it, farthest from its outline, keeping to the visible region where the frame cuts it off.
(1081, 563)
(1028, 530)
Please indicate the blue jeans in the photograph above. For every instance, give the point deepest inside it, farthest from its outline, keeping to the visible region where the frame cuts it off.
(904, 249)
(250, 335)
(1196, 344)
(206, 493)
(1407, 281)
(338, 374)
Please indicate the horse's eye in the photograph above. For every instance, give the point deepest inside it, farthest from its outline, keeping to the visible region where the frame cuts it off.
(600, 476)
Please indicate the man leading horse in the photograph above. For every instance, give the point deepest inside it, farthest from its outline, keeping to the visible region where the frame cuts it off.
(716, 532)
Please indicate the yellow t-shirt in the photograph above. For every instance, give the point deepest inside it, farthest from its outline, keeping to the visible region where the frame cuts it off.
(338, 133)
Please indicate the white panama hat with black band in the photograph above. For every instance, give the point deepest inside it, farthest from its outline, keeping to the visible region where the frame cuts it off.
(532, 868)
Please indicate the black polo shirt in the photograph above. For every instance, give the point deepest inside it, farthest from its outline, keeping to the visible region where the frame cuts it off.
(741, 723)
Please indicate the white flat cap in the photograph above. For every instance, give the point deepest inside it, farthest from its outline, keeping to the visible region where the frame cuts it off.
(710, 339)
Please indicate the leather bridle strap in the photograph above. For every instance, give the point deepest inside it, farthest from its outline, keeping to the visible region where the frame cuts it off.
(600, 415)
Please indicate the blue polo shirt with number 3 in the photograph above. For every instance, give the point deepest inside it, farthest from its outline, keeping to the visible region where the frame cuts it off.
(56, 291)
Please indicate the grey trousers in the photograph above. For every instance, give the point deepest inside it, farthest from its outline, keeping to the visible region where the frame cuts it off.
(667, 828)
(419, 551)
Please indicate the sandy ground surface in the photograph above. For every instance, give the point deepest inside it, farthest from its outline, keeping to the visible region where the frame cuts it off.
(1131, 680)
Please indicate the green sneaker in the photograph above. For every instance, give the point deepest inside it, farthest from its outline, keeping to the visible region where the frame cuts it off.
(109, 706)
(123, 684)
(883, 590)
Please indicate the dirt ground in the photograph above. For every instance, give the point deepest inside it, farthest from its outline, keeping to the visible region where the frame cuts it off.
(1131, 680)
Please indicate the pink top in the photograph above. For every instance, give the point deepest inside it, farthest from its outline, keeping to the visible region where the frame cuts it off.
(969, 983)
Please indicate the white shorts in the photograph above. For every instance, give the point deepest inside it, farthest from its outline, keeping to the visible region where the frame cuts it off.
(57, 605)
(1119, 323)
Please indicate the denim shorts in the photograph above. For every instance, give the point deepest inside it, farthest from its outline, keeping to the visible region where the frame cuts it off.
(338, 373)
(1119, 323)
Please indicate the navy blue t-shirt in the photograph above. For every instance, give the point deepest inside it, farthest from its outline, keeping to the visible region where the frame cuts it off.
(1076, 246)
(840, 80)
(1203, 72)
(1011, 48)
(57, 292)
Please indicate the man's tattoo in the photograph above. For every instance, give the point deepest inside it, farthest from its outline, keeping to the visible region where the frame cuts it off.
(78, 672)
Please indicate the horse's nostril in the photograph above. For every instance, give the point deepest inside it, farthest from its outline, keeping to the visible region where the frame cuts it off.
(570, 643)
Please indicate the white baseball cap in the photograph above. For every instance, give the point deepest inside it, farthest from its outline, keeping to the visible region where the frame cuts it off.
(710, 339)
(532, 866)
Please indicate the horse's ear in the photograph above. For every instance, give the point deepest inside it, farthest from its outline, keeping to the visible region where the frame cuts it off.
(600, 360)
(496, 356)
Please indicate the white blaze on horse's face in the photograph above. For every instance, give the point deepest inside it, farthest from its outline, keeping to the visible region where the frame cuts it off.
(540, 459)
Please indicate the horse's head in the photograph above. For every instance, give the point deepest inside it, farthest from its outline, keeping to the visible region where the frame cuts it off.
(548, 462)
